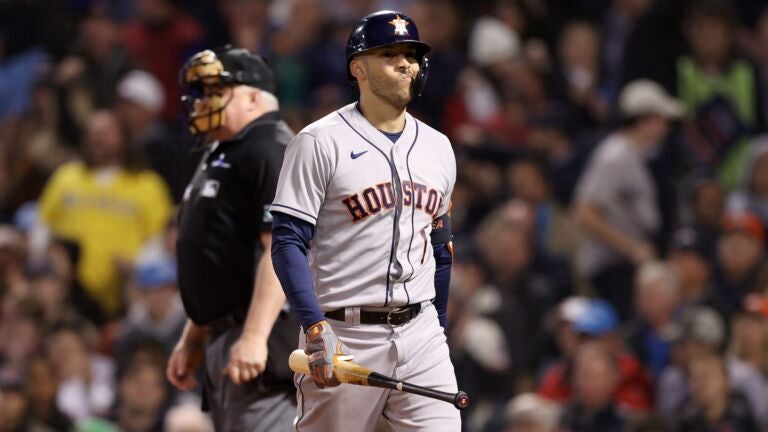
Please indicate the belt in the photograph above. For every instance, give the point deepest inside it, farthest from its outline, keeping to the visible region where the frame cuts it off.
(393, 316)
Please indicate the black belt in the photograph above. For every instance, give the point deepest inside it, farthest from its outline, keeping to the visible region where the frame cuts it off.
(395, 316)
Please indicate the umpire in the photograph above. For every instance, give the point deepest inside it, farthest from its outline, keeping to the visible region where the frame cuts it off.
(239, 327)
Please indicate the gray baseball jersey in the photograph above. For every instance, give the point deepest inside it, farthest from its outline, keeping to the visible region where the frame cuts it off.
(372, 203)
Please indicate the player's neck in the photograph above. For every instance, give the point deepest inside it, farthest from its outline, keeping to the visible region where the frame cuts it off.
(381, 115)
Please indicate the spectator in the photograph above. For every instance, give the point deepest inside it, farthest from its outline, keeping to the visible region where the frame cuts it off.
(741, 260)
(596, 321)
(530, 413)
(86, 379)
(140, 102)
(578, 79)
(187, 418)
(13, 284)
(615, 201)
(595, 380)
(40, 387)
(702, 207)
(748, 350)
(156, 312)
(13, 409)
(618, 26)
(141, 398)
(51, 291)
(554, 229)
(752, 195)
(160, 38)
(718, 89)
(529, 281)
(689, 256)
(657, 298)
(750, 333)
(22, 333)
(87, 78)
(702, 333)
(108, 207)
(713, 405)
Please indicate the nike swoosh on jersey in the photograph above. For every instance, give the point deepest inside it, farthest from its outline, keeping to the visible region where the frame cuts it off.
(354, 155)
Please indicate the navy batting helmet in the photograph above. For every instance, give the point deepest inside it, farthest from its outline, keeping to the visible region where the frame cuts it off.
(388, 27)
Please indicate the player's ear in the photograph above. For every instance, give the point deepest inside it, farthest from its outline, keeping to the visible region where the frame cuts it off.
(357, 70)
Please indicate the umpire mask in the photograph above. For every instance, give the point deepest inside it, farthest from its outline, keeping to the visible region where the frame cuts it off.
(205, 77)
(203, 80)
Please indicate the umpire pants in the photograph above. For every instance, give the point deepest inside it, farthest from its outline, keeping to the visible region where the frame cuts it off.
(244, 407)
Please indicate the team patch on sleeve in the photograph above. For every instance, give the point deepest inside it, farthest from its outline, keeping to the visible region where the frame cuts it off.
(210, 189)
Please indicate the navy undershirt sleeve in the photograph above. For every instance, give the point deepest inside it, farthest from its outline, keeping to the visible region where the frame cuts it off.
(443, 261)
(290, 245)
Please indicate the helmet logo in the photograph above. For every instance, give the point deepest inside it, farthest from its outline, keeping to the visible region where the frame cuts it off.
(400, 26)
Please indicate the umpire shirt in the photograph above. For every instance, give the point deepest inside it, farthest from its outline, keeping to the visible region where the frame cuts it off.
(223, 212)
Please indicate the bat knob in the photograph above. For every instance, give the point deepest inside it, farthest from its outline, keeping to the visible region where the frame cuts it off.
(461, 400)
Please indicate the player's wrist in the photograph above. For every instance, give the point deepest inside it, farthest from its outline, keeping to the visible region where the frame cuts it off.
(317, 328)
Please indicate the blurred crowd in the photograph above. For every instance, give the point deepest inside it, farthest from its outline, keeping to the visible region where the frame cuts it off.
(598, 285)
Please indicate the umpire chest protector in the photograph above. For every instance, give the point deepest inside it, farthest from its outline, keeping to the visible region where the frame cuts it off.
(223, 212)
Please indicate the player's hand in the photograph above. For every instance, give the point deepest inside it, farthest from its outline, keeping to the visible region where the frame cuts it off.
(184, 361)
(247, 358)
(322, 347)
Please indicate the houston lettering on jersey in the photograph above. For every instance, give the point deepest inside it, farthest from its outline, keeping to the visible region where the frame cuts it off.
(381, 197)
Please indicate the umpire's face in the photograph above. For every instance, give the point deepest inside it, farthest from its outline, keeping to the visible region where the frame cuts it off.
(387, 73)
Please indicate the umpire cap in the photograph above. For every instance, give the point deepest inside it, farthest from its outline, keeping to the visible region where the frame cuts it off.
(230, 65)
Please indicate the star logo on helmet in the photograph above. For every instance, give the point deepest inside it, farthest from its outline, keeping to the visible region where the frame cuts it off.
(400, 26)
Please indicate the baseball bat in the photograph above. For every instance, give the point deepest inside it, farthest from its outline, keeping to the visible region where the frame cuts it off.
(348, 372)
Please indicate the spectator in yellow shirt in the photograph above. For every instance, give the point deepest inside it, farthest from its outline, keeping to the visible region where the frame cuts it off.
(107, 206)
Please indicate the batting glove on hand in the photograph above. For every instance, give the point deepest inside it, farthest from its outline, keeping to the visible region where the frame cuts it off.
(322, 347)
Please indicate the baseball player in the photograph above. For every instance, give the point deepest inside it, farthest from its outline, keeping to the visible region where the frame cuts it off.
(226, 279)
(364, 193)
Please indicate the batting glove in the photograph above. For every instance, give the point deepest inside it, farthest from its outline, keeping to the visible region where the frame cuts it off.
(322, 347)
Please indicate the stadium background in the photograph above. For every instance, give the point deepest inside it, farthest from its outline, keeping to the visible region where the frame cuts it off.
(525, 89)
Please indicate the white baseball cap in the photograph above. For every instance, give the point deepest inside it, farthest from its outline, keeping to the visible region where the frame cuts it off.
(644, 97)
(143, 89)
(491, 40)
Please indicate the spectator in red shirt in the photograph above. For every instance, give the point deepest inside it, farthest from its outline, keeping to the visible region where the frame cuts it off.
(160, 39)
(598, 322)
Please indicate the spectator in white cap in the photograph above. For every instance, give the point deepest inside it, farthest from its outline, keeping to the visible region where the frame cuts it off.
(615, 203)
(140, 103)
(529, 412)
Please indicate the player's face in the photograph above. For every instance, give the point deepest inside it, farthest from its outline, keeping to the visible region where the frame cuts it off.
(389, 71)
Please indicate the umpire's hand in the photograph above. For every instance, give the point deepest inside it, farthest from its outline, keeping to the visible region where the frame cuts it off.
(184, 361)
(247, 358)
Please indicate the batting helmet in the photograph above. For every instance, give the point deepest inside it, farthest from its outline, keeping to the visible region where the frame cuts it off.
(205, 75)
(388, 27)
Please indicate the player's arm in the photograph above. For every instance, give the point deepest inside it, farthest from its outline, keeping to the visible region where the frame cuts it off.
(248, 356)
(442, 248)
(289, 255)
(290, 246)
